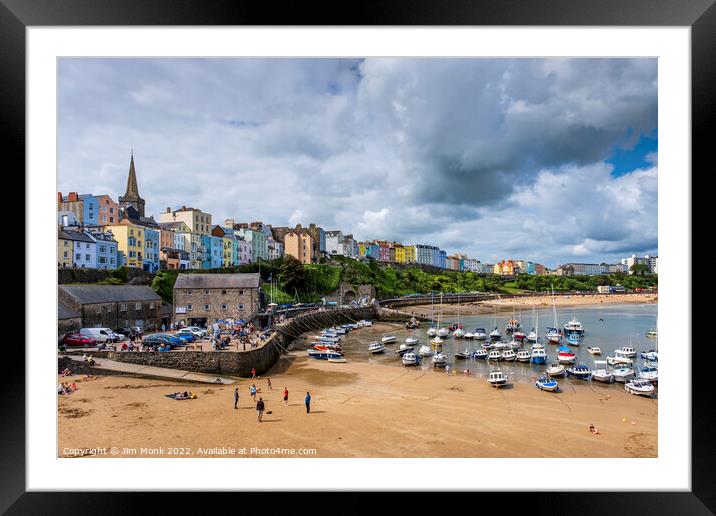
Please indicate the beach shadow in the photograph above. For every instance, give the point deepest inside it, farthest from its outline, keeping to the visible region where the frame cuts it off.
(271, 420)
(317, 412)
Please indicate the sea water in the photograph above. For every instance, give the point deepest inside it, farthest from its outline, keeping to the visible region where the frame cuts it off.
(608, 327)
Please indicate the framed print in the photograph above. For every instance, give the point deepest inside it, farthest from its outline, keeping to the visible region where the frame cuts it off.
(290, 252)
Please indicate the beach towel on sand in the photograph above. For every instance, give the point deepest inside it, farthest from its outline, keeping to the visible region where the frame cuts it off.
(174, 397)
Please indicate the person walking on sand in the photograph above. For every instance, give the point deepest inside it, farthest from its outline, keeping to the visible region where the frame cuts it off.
(285, 396)
(252, 390)
(308, 402)
(253, 372)
(236, 397)
(269, 383)
(260, 408)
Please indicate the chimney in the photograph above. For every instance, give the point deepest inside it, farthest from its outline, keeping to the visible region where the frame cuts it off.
(169, 210)
(72, 196)
(59, 197)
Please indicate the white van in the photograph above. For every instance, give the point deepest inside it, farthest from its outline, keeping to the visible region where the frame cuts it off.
(101, 335)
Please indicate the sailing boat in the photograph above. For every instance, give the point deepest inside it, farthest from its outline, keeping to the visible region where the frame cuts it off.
(432, 330)
(518, 334)
(459, 333)
(533, 336)
(553, 335)
(495, 334)
(436, 341)
(442, 332)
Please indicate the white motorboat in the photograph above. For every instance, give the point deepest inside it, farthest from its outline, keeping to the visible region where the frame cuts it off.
(639, 387)
(537, 345)
(514, 344)
(365, 323)
(649, 373)
(579, 371)
(463, 355)
(480, 334)
(555, 369)
(389, 339)
(425, 351)
(565, 356)
(545, 383)
(626, 351)
(574, 326)
(495, 354)
(439, 360)
(532, 336)
(487, 345)
(327, 338)
(619, 360)
(479, 354)
(376, 347)
(509, 355)
(524, 355)
(622, 374)
(469, 336)
(410, 359)
(594, 350)
(652, 333)
(600, 373)
(411, 341)
(497, 379)
(495, 334)
(651, 356)
(404, 348)
(443, 332)
(553, 334)
(432, 331)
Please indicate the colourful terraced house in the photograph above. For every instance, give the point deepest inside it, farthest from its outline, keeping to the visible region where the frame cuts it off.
(130, 242)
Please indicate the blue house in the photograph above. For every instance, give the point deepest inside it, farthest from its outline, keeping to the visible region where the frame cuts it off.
(150, 258)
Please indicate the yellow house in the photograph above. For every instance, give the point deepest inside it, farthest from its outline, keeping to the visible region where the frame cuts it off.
(130, 242)
(399, 253)
(228, 251)
(64, 249)
(410, 254)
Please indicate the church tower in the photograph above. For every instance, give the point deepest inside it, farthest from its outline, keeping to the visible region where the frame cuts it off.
(131, 196)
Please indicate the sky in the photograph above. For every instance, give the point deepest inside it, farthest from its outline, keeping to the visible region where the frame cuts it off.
(549, 160)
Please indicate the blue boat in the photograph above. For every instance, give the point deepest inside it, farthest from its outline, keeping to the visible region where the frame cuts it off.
(574, 338)
(580, 371)
(545, 383)
(323, 354)
(539, 356)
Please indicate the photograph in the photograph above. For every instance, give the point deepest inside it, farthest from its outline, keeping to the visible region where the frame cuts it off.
(357, 257)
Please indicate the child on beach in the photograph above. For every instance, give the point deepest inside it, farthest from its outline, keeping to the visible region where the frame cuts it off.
(252, 391)
(260, 408)
(269, 383)
(285, 396)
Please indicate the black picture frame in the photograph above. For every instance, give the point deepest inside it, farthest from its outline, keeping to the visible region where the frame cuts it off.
(16, 15)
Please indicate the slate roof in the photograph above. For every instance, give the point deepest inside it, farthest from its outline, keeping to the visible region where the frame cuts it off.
(92, 294)
(68, 234)
(200, 281)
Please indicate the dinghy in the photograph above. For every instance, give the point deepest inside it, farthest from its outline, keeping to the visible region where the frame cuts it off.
(411, 341)
(463, 354)
(555, 369)
(389, 339)
(425, 351)
(619, 361)
(594, 350)
(639, 387)
(404, 348)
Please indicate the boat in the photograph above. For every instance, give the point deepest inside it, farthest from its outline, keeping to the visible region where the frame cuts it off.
(533, 335)
(594, 350)
(649, 363)
(432, 331)
(574, 326)
(524, 355)
(365, 323)
(480, 334)
(626, 351)
(463, 354)
(479, 354)
(494, 355)
(327, 338)
(574, 338)
(389, 339)
(425, 351)
(469, 336)
(545, 383)
(376, 347)
(327, 347)
(539, 356)
(323, 354)
(437, 343)
(412, 323)
(555, 369)
(518, 335)
(501, 345)
(495, 334)
(513, 324)
(411, 341)
(600, 373)
(439, 360)
(509, 355)
(497, 379)
(565, 356)
(443, 332)
(619, 360)
(553, 334)
(404, 348)
(622, 373)
(652, 333)
(579, 371)
(649, 373)
(487, 345)
(537, 345)
(639, 387)
(459, 333)
(514, 344)
(410, 359)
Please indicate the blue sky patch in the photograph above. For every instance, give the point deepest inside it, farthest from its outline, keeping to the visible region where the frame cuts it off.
(628, 160)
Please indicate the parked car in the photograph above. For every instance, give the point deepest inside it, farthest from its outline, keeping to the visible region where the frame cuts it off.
(198, 329)
(158, 340)
(100, 335)
(196, 333)
(186, 337)
(175, 341)
(77, 339)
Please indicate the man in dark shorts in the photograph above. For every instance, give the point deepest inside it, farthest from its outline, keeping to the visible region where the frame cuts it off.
(260, 408)
(308, 402)
(236, 397)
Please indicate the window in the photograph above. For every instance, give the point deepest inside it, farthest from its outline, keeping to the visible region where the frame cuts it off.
(188, 292)
(206, 307)
(123, 307)
(151, 305)
(241, 292)
(206, 292)
(223, 307)
(78, 256)
(189, 307)
(87, 257)
(137, 306)
(241, 307)
(65, 254)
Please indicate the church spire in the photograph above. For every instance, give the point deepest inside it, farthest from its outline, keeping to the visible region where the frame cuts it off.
(132, 188)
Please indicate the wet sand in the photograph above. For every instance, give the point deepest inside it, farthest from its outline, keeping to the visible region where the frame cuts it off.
(506, 304)
(358, 410)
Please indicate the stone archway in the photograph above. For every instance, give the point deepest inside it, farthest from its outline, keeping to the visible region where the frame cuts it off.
(349, 296)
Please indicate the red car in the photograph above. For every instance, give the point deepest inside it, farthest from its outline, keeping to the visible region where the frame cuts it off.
(75, 339)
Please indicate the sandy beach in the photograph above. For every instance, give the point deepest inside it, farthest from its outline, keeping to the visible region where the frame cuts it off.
(358, 410)
(488, 307)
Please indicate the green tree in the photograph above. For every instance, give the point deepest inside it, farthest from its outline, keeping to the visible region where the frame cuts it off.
(293, 275)
(640, 269)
